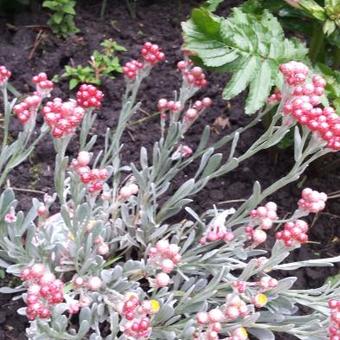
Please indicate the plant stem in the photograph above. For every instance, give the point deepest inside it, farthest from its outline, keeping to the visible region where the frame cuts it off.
(6, 117)
(103, 9)
(336, 64)
(317, 43)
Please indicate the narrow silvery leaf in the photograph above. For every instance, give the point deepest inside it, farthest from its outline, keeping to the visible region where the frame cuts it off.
(262, 334)
(297, 144)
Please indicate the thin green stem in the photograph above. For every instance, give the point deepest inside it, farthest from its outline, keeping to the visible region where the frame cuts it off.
(317, 43)
(7, 114)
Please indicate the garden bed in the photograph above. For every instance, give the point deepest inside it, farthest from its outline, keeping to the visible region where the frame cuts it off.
(159, 22)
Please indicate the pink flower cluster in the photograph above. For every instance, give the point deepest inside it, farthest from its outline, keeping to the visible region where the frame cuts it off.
(267, 283)
(136, 321)
(193, 113)
(217, 231)
(275, 97)
(10, 217)
(62, 117)
(334, 324)
(164, 256)
(151, 54)
(165, 105)
(131, 68)
(93, 178)
(43, 85)
(304, 102)
(294, 233)
(127, 191)
(182, 151)
(264, 216)
(312, 201)
(4, 75)
(294, 72)
(27, 108)
(88, 96)
(193, 75)
(209, 323)
(93, 283)
(44, 291)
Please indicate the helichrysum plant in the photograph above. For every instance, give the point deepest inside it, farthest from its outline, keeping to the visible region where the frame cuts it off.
(109, 264)
(62, 17)
(101, 64)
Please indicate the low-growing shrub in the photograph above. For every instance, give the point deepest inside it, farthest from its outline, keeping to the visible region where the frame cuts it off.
(115, 261)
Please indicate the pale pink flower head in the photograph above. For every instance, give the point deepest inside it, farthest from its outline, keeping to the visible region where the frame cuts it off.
(4, 75)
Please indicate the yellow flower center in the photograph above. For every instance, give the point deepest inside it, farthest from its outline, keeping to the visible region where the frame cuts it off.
(261, 299)
(155, 306)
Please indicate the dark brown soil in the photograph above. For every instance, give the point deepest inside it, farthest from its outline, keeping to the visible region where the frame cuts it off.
(159, 22)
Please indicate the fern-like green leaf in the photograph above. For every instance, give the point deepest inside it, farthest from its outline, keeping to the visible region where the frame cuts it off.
(250, 46)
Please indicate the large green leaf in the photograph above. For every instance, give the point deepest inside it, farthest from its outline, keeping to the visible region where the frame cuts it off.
(250, 46)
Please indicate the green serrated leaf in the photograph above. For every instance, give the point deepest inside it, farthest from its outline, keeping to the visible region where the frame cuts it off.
(240, 79)
(247, 45)
(213, 4)
(260, 87)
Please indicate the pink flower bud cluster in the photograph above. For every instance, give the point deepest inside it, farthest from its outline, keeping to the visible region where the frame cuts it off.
(217, 231)
(127, 191)
(194, 112)
(275, 97)
(42, 211)
(267, 283)
(256, 236)
(304, 104)
(294, 233)
(27, 108)
(93, 283)
(43, 85)
(182, 151)
(136, 322)
(88, 96)
(164, 256)
(209, 323)
(152, 54)
(312, 201)
(334, 324)
(62, 117)
(239, 286)
(10, 217)
(168, 105)
(264, 216)
(4, 75)
(93, 178)
(44, 291)
(193, 75)
(131, 69)
(102, 247)
(294, 72)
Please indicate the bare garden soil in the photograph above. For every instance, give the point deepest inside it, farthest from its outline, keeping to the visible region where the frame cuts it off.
(27, 47)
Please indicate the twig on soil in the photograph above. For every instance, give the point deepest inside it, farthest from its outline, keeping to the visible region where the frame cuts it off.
(28, 190)
(142, 120)
(131, 135)
(36, 44)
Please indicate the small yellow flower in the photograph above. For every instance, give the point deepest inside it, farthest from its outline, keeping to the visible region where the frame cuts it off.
(155, 306)
(260, 300)
(243, 333)
(71, 236)
(240, 333)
